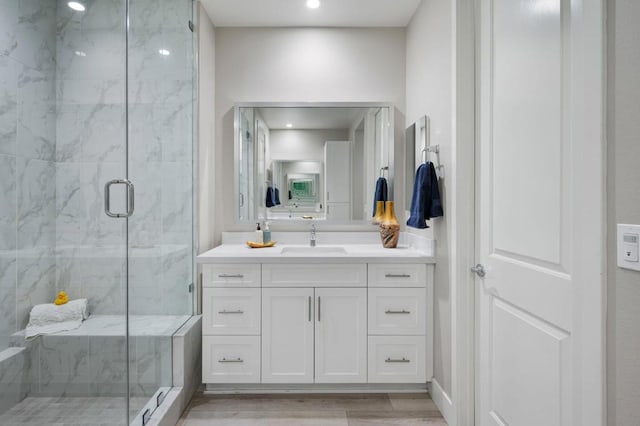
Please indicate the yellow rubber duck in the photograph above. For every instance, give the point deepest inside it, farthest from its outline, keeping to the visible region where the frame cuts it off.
(61, 299)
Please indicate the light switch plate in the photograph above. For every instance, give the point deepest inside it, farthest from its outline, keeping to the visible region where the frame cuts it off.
(628, 242)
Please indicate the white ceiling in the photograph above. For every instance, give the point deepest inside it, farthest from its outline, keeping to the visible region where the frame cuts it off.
(310, 118)
(294, 13)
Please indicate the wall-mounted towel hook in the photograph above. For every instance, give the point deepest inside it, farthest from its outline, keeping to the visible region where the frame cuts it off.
(433, 149)
(383, 169)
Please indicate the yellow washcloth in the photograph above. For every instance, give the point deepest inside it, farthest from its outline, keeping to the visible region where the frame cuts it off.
(61, 299)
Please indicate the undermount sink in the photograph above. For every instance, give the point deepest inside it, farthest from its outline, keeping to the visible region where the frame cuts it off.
(313, 250)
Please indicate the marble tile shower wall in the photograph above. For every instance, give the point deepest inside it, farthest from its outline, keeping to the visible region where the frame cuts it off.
(90, 150)
(27, 160)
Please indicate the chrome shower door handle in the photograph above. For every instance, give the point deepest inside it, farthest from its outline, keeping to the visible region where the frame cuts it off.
(130, 197)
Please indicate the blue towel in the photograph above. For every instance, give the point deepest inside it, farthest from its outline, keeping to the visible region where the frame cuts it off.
(425, 202)
(276, 196)
(381, 193)
(270, 198)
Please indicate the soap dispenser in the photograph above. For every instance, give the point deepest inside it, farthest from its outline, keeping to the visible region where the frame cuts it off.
(258, 236)
(266, 233)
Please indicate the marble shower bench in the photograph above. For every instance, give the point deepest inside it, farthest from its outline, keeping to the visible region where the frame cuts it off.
(91, 360)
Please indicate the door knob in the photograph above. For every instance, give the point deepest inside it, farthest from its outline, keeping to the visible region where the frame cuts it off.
(479, 270)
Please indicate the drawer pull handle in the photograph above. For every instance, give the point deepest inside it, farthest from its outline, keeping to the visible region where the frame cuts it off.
(397, 276)
(230, 312)
(389, 311)
(224, 360)
(396, 360)
(230, 276)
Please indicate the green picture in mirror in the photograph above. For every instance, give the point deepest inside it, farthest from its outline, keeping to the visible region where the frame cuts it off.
(302, 189)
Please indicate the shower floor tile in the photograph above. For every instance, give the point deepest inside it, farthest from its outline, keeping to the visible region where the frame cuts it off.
(86, 411)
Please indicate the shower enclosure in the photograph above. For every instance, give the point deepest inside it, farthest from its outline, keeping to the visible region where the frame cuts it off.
(96, 199)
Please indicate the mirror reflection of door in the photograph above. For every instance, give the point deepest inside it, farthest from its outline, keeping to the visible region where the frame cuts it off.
(245, 166)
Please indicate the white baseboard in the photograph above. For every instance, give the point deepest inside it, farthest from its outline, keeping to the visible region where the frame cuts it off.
(443, 402)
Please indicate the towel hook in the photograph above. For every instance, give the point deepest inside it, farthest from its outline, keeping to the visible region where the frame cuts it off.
(434, 149)
(383, 169)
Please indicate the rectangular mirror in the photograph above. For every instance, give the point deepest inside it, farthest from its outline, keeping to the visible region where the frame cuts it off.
(311, 161)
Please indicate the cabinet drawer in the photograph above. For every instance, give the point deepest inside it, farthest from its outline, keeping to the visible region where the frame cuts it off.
(231, 359)
(397, 359)
(314, 275)
(397, 311)
(397, 275)
(231, 311)
(240, 275)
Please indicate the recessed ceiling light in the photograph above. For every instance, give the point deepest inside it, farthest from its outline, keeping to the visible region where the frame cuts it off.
(80, 53)
(76, 6)
(164, 52)
(313, 4)
(289, 125)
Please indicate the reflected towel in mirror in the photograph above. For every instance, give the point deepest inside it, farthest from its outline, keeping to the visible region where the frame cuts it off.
(380, 194)
(270, 197)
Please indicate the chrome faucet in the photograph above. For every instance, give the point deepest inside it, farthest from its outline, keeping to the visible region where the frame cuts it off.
(312, 241)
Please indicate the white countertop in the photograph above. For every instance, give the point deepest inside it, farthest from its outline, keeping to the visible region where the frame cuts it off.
(355, 253)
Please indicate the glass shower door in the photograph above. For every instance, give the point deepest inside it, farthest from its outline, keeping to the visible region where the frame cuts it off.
(160, 163)
(89, 366)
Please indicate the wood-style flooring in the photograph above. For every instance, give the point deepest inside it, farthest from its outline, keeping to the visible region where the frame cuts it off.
(312, 410)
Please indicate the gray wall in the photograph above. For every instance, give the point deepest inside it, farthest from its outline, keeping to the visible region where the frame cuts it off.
(623, 206)
(206, 129)
(27, 160)
(429, 82)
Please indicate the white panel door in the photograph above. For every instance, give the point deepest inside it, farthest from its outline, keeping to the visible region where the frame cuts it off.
(539, 213)
(337, 160)
(341, 335)
(287, 335)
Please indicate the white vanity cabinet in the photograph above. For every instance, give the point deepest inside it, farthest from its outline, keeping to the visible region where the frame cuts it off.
(277, 323)
(231, 323)
(287, 335)
(341, 335)
(400, 327)
(291, 317)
